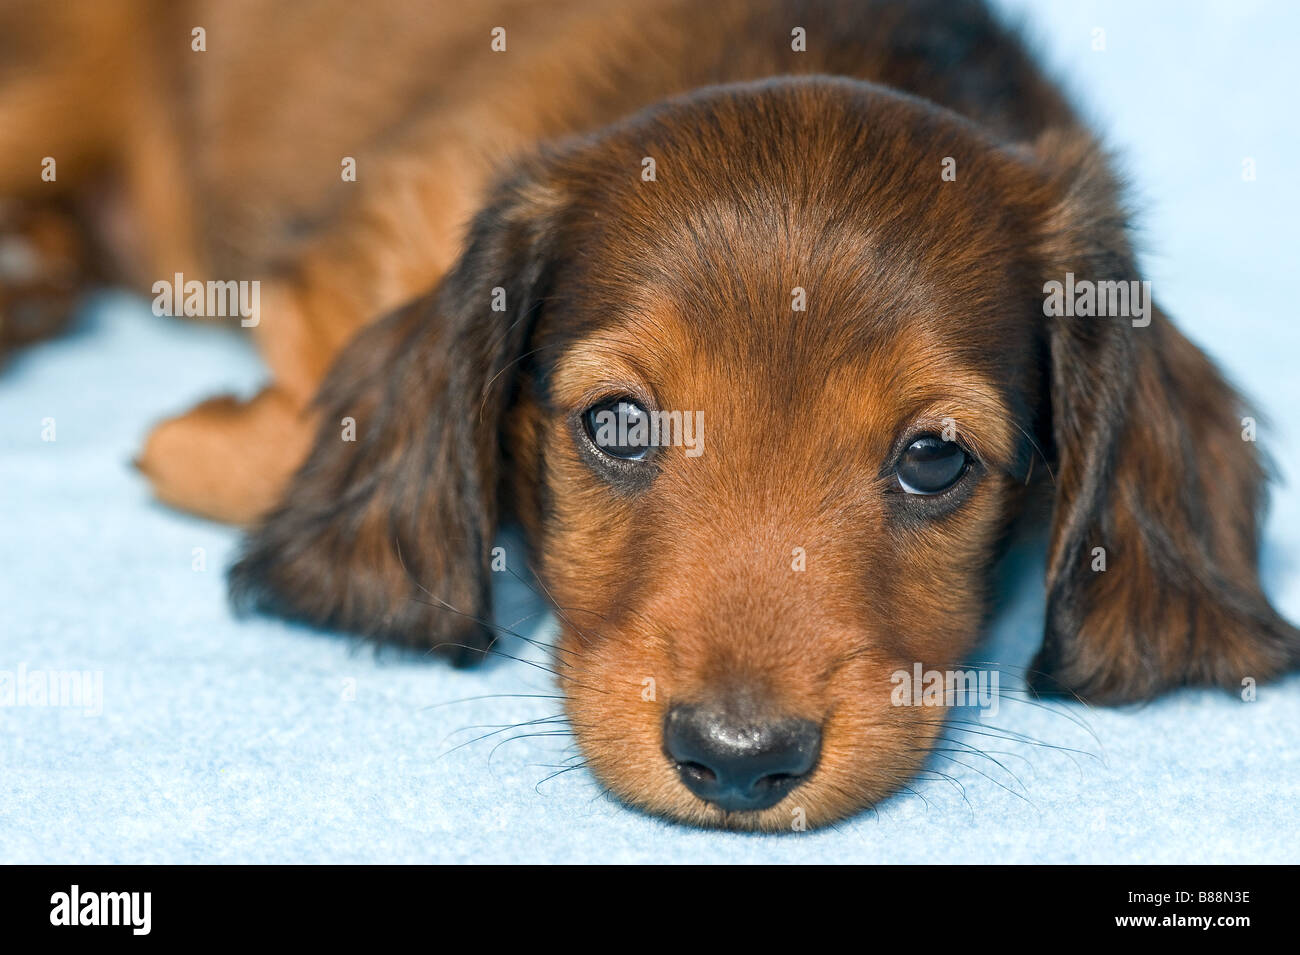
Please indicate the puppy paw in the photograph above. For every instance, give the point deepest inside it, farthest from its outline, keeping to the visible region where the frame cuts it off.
(226, 459)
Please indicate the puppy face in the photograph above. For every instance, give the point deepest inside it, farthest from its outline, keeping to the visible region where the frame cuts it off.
(860, 349)
(787, 570)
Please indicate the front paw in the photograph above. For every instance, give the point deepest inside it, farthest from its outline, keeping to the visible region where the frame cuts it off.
(226, 459)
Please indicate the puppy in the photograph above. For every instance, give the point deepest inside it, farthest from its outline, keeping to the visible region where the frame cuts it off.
(827, 245)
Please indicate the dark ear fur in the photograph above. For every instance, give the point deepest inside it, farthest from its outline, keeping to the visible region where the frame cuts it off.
(389, 535)
(1152, 467)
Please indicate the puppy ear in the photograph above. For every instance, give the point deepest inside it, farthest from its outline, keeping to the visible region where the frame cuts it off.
(386, 530)
(1156, 483)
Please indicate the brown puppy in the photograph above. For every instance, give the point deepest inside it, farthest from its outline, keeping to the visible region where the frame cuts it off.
(858, 338)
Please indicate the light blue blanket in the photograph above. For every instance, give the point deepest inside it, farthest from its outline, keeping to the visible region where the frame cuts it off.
(211, 739)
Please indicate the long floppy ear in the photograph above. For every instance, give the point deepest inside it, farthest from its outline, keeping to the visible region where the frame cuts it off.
(388, 532)
(1158, 481)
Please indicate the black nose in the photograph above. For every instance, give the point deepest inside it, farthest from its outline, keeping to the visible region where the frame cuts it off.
(738, 762)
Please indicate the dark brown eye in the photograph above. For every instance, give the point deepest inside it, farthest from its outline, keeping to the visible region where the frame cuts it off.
(619, 428)
(930, 464)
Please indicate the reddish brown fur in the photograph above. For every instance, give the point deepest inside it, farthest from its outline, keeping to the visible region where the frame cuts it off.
(924, 303)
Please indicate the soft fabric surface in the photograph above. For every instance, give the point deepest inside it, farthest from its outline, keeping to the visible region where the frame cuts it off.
(249, 741)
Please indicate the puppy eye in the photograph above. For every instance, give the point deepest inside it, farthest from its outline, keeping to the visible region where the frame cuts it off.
(930, 464)
(619, 428)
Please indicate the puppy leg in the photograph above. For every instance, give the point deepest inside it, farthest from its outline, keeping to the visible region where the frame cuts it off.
(231, 461)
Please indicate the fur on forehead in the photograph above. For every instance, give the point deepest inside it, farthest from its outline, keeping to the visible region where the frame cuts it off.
(811, 181)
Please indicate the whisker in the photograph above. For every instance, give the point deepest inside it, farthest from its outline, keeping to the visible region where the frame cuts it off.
(975, 751)
(501, 630)
(444, 605)
(550, 599)
(527, 662)
(986, 776)
(504, 727)
(495, 696)
(998, 732)
(477, 739)
(1033, 442)
(909, 789)
(559, 772)
(550, 646)
(487, 388)
(1037, 700)
(512, 739)
(952, 781)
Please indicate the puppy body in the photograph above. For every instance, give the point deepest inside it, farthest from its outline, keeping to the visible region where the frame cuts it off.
(226, 162)
(799, 270)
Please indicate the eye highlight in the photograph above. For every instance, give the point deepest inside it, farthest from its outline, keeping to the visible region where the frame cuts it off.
(620, 428)
(930, 465)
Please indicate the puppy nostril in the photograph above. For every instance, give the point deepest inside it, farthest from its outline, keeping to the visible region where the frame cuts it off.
(739, 763)
(697, 770)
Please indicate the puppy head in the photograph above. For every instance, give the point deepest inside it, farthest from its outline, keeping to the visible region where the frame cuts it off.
(765, 417)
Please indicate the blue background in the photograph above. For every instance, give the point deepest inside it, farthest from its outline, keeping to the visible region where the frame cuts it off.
(223, 740)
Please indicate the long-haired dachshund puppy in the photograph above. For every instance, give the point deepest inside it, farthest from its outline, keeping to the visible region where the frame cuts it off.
(765, 320)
